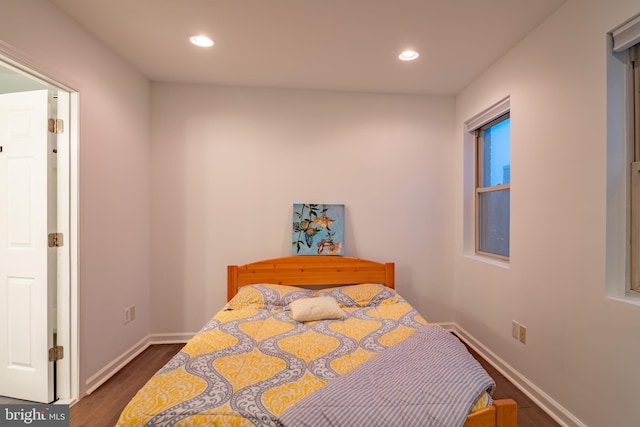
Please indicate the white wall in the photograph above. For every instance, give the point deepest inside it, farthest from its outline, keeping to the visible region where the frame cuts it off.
(228, 164)
(582, 347)
(114, 173)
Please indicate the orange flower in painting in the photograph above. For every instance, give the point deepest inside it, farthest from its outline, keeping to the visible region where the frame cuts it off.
(335, 249)
(323, 221)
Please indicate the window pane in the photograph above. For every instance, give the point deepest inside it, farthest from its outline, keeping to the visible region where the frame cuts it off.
(635, 95)
(493, 227)
(634, 213)
(635, 226)
(496, 167)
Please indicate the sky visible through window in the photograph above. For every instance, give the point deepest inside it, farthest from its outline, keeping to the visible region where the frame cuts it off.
(497, 147)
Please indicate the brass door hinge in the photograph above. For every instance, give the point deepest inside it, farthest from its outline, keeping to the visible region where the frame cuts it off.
(56, 240)
(56, 353)
(56, 125)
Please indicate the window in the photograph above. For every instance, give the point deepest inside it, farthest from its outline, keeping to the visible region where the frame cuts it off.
(623, 161)
(634, 140)
(493, 167)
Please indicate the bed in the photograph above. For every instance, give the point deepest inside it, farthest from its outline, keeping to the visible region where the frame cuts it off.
(318, 341)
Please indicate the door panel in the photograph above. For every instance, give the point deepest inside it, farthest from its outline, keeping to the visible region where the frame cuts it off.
(19, 291)
(25, 323)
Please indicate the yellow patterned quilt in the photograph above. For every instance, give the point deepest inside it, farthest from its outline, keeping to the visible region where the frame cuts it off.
(252, 360)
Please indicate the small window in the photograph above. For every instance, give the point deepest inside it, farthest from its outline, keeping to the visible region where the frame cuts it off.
(493, 182)
(634, 140)
(623, 161)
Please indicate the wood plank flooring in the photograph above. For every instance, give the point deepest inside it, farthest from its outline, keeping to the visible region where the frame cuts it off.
(102, 408)
(529, 414)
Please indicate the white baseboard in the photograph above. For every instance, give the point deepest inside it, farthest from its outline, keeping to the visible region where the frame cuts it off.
(121, 361)
(100, 377)
(170, 338)
(542, 399)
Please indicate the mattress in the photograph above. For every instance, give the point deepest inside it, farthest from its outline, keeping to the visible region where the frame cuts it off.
(253, 360)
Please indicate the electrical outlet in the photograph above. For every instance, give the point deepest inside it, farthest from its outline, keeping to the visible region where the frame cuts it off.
(132, 312)
(515, 329)
(523, 334)
(127, 315)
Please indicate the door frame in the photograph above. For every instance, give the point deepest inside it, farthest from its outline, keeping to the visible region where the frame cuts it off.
(68, 370)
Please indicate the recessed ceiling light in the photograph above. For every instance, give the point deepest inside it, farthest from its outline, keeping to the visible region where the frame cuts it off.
(202, 41)
(408, 55)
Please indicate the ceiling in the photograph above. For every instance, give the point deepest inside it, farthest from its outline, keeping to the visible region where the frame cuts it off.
(350, 45)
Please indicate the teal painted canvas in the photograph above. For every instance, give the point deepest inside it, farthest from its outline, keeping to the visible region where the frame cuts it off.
(318, 229)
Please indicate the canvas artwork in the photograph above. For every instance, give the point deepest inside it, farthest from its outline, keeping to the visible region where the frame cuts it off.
(318, 229)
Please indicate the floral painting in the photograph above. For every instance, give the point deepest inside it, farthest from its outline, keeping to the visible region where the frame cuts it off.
(318, 229)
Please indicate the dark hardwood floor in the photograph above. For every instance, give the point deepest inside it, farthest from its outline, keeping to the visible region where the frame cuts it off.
(529, 414)
(102, 408)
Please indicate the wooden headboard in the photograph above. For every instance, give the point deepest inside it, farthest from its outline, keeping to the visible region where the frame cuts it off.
(309, 271)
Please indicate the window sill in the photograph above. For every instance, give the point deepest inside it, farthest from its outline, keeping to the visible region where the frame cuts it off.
(491, 261)
(628, 299)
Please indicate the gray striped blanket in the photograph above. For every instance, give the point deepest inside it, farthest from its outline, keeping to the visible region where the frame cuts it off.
(429, 379)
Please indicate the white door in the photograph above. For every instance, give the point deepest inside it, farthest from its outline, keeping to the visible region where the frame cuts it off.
(26, 324)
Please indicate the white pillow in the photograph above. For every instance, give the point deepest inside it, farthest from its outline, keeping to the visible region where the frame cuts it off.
(318, 308)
